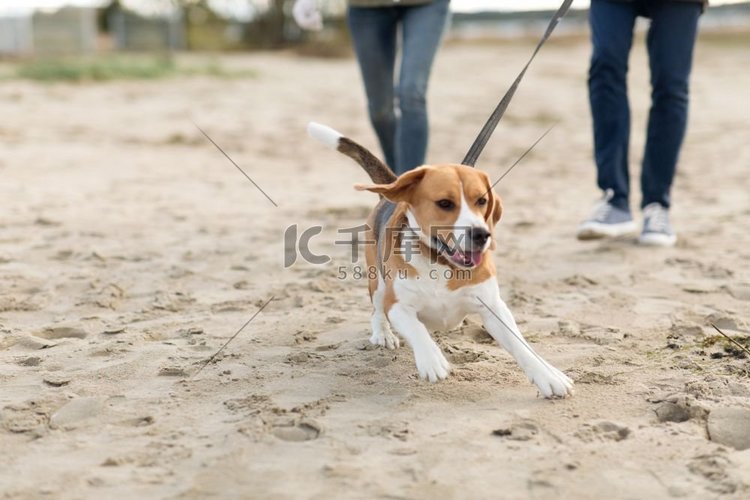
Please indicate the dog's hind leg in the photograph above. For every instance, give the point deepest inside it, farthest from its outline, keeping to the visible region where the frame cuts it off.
(381, 329)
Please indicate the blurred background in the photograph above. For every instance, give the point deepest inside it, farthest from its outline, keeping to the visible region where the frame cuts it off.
(50, 37)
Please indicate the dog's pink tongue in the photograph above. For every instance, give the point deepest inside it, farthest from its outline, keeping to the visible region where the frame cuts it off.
(476, 258)
(469, 259)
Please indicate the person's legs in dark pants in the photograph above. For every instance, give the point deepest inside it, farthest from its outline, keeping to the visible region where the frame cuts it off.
(612, 37)
(670, 41)
(422, 28)
(374, 32)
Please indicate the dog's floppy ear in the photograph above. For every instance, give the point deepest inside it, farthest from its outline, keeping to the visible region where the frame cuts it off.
(398, 190)
(494, 212)
(497, 210)
(494, 209)
(494, 204)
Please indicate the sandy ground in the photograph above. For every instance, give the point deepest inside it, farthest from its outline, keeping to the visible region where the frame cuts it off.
(131, 251)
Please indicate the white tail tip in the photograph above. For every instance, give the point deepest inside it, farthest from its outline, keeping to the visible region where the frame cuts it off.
(324, 134)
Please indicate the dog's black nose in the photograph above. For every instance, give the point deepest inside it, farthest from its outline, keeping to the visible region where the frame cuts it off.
(479, 236)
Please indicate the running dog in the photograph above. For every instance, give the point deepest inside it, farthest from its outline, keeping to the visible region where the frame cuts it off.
(429, 261)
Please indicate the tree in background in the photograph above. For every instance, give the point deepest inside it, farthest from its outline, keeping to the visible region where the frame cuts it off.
(217, 25)
(271, 28)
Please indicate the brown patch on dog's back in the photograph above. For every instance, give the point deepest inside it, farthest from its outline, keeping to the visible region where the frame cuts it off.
(388, 240)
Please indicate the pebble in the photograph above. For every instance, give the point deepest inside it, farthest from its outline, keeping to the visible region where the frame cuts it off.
(35, 343)
(114, 330)
(680, 408)
(71, 415)
(730, 427)
(671, 412)
(56, 380)
(172, 371)
(63, 332)
(30, 361)
(740, 291)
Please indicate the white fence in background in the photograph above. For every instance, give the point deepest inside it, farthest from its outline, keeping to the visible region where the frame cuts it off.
(70, 30)
(134, 32)
(16, 35)
(74, 30)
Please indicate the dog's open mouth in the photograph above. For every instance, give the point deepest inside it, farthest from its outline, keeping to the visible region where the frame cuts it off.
(461, 258)
(466, 259)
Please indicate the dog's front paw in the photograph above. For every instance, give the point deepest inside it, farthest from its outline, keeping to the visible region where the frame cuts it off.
(552, 383)
(385, 338)
(431, 364)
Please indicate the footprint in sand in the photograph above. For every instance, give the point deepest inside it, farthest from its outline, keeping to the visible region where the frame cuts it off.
(477, 333)
(62, 332)
(714, 468)
(143, 421)
(602, 431)
(680, 408)
(463, 355)
(522, 430)
(726, 322)
(396, 430)
(597, 378)
(298, 358)
(20, 419)
(305, 430)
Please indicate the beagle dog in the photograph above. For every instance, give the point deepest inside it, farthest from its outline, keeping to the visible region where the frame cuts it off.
(429, 261)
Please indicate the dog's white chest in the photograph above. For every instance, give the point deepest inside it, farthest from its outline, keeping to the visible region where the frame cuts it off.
(441, 315)
(437, 306)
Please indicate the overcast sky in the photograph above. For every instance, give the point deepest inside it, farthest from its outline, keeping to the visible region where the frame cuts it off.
(241, 5)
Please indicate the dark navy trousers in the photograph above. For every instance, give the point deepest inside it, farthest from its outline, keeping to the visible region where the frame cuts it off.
(670, 41)
(398, 115)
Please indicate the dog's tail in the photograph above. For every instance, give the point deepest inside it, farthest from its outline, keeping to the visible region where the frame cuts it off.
(376, 169)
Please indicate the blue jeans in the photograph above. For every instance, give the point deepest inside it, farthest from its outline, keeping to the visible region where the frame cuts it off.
(670, 41)
(398, 115)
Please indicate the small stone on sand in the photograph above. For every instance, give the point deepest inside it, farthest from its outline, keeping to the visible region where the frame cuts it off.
(172, 371)
(56, 380)
(730, 427)
(75, 412)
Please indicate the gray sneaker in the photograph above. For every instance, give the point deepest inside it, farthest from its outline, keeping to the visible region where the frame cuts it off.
(606, 220)
(657, 231)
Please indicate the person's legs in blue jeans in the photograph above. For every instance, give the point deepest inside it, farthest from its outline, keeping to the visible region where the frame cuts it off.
(612, 37)
(422, 28)
(374, 32)
(670, 41)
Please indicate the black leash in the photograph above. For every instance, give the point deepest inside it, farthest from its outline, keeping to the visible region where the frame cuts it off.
(481, 141)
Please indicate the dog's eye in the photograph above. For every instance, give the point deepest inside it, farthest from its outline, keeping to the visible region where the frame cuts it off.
(482, 201)
(445, 204)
